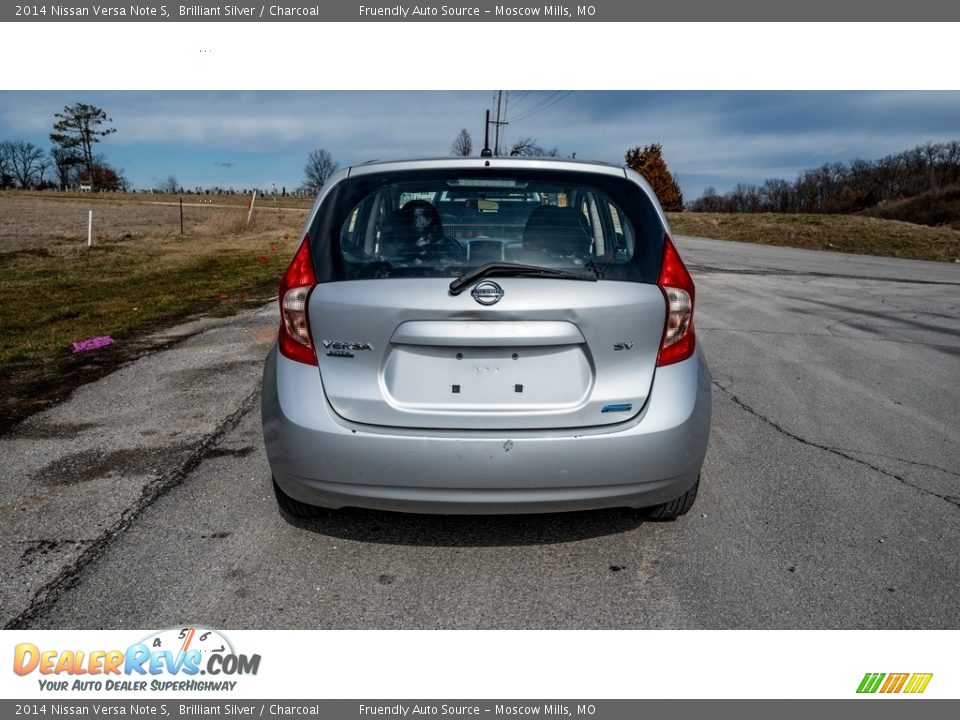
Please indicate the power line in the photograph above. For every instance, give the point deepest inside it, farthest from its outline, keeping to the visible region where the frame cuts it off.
(544, 100)
(521, 97)
(537, 109)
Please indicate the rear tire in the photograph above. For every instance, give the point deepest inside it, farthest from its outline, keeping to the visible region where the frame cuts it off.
(675, 508)
(294, 508)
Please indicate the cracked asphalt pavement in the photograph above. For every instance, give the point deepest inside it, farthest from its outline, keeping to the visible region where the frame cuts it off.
(830, 494)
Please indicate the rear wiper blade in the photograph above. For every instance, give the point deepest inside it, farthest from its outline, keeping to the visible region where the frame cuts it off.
(505, 269)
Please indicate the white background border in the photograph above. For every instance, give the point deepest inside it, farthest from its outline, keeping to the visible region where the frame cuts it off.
(324, 56)
(466, 56)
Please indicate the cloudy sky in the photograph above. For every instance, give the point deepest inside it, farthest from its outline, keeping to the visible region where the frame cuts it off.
(245, 139)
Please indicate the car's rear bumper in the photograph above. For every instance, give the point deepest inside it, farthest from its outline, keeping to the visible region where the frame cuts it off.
(321, 459)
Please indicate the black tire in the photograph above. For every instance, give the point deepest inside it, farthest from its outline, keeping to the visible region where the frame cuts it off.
(295, 508)
(675, 508)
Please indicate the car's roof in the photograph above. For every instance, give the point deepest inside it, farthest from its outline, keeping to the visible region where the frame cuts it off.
(377, 166)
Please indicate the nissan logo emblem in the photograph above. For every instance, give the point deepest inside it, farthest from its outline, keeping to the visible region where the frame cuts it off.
(487, 293)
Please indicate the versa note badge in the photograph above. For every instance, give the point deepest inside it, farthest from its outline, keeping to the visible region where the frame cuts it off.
(487, 293)
(340, 348)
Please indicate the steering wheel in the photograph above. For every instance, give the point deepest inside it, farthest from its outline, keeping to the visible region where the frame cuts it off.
(447, 245)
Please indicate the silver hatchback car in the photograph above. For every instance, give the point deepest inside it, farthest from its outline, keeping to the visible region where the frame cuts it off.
(486, 335)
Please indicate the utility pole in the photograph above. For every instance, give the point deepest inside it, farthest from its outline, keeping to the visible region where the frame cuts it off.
(506, 102)
(498, 123)
(496, 141)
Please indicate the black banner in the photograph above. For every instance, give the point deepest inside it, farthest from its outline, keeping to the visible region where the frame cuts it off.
(853, 709)
(482, 11)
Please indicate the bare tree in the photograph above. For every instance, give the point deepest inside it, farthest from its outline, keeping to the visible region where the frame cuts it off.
(462, 144)
(79, 127)
(106, 177)
(6, 177)
(170, 185)
(710, 201)
(524, 147)
(528, 147)
(776, 195)
(951, 163)
(26, 164)
(320, 166)
(858, 185)
(65, 165)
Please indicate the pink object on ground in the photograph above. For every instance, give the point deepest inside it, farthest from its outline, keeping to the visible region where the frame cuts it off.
(92, 343)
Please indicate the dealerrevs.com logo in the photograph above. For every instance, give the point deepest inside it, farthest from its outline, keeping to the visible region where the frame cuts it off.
(910, 683)
(177, 659)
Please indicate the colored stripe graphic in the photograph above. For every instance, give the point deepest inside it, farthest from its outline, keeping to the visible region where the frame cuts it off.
(870, 682)
(918, 682)
(894, 683)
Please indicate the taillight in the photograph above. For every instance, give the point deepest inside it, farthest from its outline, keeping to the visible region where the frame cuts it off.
(676, 284)
(294, 339)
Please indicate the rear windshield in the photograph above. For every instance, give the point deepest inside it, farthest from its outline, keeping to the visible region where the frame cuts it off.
(443, 224)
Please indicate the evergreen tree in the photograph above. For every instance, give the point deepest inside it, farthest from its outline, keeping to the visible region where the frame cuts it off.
(78, 128)
(649, 162)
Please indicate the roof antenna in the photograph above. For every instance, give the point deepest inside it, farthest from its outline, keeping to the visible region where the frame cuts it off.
(486, 152)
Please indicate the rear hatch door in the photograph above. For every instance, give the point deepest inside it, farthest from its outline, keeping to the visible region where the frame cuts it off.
(550, 354)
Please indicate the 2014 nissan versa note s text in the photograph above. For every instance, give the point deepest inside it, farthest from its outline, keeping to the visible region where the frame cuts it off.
(486, 335)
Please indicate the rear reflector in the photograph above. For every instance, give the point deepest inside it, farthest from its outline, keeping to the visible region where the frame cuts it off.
(679, 340)
(294, 338)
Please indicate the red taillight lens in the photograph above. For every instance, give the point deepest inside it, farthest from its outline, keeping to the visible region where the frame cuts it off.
(679, 340)
(294, 339)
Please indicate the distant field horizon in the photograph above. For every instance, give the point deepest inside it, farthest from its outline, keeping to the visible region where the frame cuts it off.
(838, 233)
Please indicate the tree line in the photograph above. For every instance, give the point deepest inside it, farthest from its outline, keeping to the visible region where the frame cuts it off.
(71, 162)
(844, 187)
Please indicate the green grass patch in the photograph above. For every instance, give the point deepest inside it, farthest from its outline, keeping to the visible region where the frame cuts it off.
(56, 292)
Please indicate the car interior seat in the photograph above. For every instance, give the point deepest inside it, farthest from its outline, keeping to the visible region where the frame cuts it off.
(409, 229)
(557, 232)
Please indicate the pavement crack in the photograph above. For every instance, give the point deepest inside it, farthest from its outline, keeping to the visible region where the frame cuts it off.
(69, 576)
(952, 499)
(901, 459)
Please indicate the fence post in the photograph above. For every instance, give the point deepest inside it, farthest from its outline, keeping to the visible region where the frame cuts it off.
(90, 229)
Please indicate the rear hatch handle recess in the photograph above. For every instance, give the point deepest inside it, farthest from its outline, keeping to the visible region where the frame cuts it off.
(505, 269)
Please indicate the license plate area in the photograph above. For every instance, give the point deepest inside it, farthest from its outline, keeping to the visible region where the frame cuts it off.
(487, 379)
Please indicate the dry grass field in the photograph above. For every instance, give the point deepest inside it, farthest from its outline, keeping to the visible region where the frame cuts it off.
(30, 221)
(139, 276)
(840, 233)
